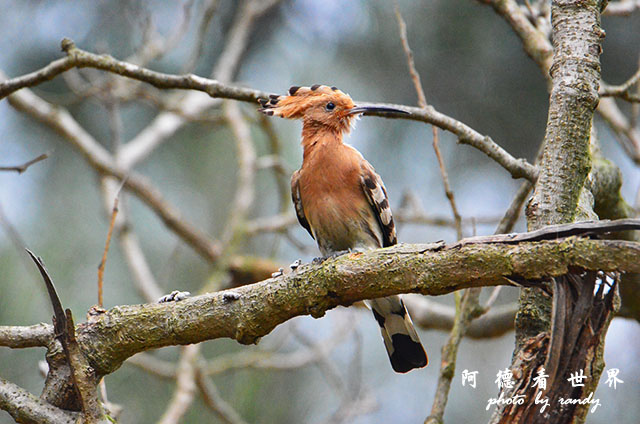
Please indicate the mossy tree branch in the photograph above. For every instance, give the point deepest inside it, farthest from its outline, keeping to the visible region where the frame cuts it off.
(561, 195)
(566, 161)
(250, 312)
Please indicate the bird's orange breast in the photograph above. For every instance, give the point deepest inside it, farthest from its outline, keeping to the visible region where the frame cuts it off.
(332, 196)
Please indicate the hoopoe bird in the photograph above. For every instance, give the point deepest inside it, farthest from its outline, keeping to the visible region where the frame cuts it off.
(341, 201)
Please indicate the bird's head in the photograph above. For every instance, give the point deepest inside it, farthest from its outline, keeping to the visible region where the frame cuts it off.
(319, 106)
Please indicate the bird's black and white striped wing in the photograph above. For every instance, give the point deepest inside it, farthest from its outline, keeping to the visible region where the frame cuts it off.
(400, 337)
(376, 193)
(297, 202)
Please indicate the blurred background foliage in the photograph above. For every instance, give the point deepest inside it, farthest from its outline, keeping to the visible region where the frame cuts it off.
(473, 68)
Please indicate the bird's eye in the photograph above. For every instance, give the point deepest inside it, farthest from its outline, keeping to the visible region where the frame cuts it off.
(330, 106)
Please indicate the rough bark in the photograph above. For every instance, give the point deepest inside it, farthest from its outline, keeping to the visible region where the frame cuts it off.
(250, 312)
(560, 196)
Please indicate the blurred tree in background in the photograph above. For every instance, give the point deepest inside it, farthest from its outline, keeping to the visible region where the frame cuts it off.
(206, 203)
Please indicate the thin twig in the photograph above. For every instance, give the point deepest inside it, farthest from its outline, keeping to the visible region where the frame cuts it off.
(214, 400)
(21, 168)
(465, 309)
(166, 123)
(209, 10)
(280, 171)
(466, 306)
(103, 262)
(194, 104)
(513, 211)
(422, 101)
(431, 315)
(447, 187)
(623, 90)
(415, 76)
(246, 157)
(60, 120)
(627, 135)
(622, 8)
(80, 58)
(185, 386)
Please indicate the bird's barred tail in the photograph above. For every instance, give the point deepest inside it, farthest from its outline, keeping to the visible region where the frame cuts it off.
(400, 337)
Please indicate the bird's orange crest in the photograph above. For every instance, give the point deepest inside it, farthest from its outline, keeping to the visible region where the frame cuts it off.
(315, 105)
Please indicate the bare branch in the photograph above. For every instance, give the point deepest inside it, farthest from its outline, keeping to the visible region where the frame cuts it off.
(21, 168)
(466, 309)
(256, 309)
(518, 168)
(209, 9)
(431, 315)
(144, 280)
(18, 337)
(214, 401)
(535, 42)
(103, 261)
(622, 8)
(457, 219)
(61, 121)
(185, 386)
(27, 408)
(81, 59)
(415, 76)
(627, 135)
(622, 90)
(537, 45)
(139, 148)
(470, 297)
(246, 157)
(194, 103)
(47, 73)
(422, 102)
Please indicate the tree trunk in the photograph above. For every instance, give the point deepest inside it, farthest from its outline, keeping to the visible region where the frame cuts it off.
(543, 340)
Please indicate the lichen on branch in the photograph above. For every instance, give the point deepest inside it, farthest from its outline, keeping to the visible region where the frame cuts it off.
(254, 310)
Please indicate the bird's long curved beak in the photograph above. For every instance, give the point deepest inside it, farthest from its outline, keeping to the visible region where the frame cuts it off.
(374, 110)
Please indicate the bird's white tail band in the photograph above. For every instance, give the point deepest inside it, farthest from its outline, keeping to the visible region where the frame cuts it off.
(400, 337)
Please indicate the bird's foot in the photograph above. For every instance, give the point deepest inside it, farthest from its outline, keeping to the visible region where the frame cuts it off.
(318, 261)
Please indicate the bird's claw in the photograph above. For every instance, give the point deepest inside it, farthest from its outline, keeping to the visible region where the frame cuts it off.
(318, 261)
(174, 296)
